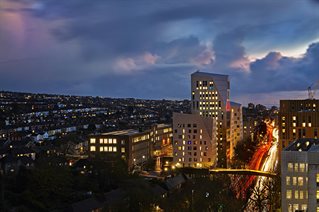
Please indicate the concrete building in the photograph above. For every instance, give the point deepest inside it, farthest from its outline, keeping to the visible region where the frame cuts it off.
(300, 176)
(249, 124)
(161, 136)
(131, 145)
(210, 98)
(298, 119)
(236, 127)
(194, 139)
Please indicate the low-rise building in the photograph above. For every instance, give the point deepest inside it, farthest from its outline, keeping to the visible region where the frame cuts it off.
(131, 145)
(161, 137)
(300, 176)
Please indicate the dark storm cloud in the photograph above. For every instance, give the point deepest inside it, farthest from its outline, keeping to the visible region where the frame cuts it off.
(126, 27)
(149, 84)
(278, 73)
(153, 46)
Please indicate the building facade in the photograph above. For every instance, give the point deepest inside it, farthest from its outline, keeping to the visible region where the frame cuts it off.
(210, 98)
(249, 125)
(131, 145)
(161, 136)
(298, 119)
(236, 128)
(300, 176)
(194, 141)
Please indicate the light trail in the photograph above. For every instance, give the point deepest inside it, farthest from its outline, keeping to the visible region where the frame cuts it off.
(269, 165)
(255, 164)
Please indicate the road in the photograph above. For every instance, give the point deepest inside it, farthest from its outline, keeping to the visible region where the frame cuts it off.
(242, 184)
(269, 165)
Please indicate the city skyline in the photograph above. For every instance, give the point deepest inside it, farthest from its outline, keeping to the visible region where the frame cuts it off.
(148, 50)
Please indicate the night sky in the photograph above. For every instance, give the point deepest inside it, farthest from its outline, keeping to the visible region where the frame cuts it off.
(147, 48)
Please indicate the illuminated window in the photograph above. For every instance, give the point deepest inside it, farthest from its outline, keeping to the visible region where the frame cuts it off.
(92, 148)
(304, 207)
(101, 140)
(296, 167)
(294, 118)
(294, 124)
(317, 178)
(304, 124)
(288, 194)
(110, 140)
(296, 195)
(294, 181)
(300, 181)
(296, 207)
(105, 140)
(101, 148)
(110, 149)
(317, 194)
(287, 180)
(301, 167)
(290, 167)
(114, 149)
(300, 194)
(106, 149)
(92, 140)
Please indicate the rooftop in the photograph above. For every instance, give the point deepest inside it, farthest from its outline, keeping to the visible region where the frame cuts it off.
(208, 74)
(235, 104)
(163, 125)
(123, 132)
(304, 145)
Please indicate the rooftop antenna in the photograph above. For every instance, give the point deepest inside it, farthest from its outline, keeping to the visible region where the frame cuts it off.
(312, 90)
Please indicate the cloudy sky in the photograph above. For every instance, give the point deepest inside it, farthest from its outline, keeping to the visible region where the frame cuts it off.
(148, 49)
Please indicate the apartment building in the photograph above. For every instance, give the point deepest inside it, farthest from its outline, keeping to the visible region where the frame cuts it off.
(236, 128)
(161, 136)
(298, 119)
(131, 145)
(194, 139)
(300, 176)
(210, 98)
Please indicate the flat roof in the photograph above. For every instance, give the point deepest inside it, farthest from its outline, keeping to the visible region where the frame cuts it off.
(163, 125)
(122, 132)
(208, 74)
(303, 145)
(235, 104)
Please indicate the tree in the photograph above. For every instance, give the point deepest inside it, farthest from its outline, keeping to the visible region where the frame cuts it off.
(244, 151)
(265, 195)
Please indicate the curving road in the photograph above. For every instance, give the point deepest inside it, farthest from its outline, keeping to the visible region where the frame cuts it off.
(269, 165)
